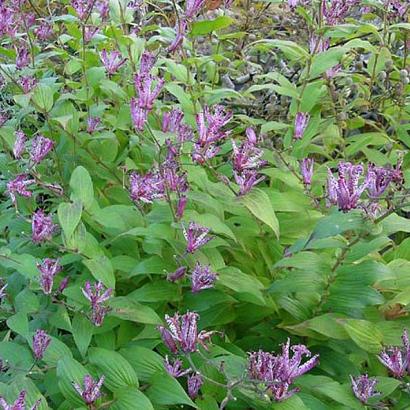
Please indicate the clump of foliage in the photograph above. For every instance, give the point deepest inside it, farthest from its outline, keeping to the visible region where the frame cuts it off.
(204, 204)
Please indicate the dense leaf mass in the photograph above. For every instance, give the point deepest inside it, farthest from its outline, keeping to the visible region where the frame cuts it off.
(204, 204)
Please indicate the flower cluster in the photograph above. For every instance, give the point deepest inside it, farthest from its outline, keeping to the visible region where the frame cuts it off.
(397, 359)
(278, 372)
(182, 333)
(147, 87)
(301, 122)
(346, 190)
(91, 390)
(335, 11)
(196, 236)
(41, 340)
(19, 186)
(42, 227)
(97, 294)
(246, 160)
(210, 128)
(112, 61)
(20, 403)
(48, 269)
(364, 387)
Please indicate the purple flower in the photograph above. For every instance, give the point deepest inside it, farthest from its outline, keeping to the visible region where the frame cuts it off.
(90, 32)
(146, 188)
(178, 274)
(247, 180)
(345, 191)
(306, 169)
(63, 284)
(193, 7)
(8, 25)
(247, 156)
(397, 359)
(82, 7)
(172, 122)
(175, 369)
(147, 93)
(3, 293)
(210, 124)
(294, 3)
(318, 44)
(42, 227)
(27, 83)
(180, 29)
(195, 382)
(19, 144)
(279, 372)
(22, 57)
(19, 404)
(19, 186)
(396, 8)
(112, 61)
(378, 179)
(48, 269)
(139, 115)
(97, 295)
(335, 11)
(147, 61)
(3, 118)
(92, 124)
(196, 236)
(40, 147)
(41, 340)
(332, 72)
(202, 278)
(44, 31)
(92, 389)
(173, 178)
(103, 8)
(182, 332)
(364, 387)
(182, 201)
(301, 122)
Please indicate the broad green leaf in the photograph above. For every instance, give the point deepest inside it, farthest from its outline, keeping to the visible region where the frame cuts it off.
(18, 323)
(81, 186)
(365, 334)
(164, 390)
(82, 332)
(69, 215)
(130, 399)
(200, 28)
(144, 361)
(116, 369)
(55, 351)
(43, 97)
(126, 309)
(258, 203)
(102, 270)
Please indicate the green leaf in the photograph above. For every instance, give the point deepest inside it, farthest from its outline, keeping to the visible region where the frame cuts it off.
(18, 323)
(293, 403)
(27, 302)
(259, 204)
(200, 28)
(82, 187)
(69, 215)
(82, 332)
(240, 282)
(365, 334)
(145, 361)
(102, 270)
(131, 399)
(126, 309)
(116, 369)
(43, 97)
(55, 351)
(32, 392)
(326, 60)
(165, 390)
